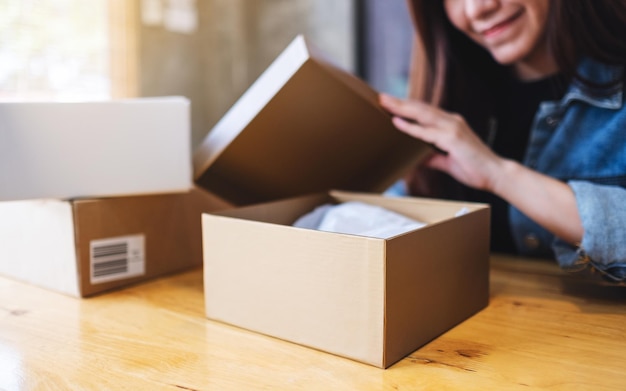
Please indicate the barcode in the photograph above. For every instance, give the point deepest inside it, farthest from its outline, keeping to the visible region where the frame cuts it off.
(116, 258)
(112, 259)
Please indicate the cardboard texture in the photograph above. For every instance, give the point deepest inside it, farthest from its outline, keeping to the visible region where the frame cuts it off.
(303, 128)
(84, 247)
(368, 299)
(94, 149)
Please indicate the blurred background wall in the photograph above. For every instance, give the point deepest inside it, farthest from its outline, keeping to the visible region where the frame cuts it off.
(210, 51)
(232, 43)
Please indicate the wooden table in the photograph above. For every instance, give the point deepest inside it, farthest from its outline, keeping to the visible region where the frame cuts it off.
(542, 330)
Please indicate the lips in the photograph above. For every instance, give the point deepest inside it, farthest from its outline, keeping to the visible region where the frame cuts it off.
(500, 26)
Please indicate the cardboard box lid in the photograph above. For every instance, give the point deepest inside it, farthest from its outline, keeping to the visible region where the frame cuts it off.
(121, 147)
(305, 125)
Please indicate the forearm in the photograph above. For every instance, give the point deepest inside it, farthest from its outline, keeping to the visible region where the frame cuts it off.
(548, 201)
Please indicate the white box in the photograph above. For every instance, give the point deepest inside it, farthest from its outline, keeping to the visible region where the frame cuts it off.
(95, 149)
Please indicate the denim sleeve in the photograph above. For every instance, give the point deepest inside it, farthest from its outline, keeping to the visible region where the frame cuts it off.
(602, 210)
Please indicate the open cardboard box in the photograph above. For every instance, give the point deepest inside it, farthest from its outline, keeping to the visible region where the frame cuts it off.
(368, 299)
(303, 128)
(86, 246)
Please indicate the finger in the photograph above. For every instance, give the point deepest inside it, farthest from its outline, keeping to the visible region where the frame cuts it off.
(415, 110)
(423, 133)
(438, 162)
(414, 129)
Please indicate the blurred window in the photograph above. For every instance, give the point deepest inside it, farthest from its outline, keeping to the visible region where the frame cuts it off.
(64, 50)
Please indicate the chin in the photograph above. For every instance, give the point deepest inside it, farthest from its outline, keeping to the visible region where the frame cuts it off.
(508, 57)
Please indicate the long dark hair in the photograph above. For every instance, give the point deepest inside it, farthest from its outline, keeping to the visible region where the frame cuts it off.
(446, 63)
(593, 28)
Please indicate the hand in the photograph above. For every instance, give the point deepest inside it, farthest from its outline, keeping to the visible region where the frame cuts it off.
(465, 157)
(546, 200)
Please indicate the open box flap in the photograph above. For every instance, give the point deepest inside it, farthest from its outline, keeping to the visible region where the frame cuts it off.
(319, 128)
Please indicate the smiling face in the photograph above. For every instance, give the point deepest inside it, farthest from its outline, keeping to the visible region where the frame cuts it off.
(513, 31)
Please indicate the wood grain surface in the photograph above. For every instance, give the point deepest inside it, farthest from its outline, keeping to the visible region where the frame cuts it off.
(543, 329)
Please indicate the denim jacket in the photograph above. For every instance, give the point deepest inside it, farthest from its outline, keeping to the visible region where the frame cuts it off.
(582, 141)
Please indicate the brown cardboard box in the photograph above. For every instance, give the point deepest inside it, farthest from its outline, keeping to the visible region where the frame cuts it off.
(368, 299)
(87, 246)
(303, 128)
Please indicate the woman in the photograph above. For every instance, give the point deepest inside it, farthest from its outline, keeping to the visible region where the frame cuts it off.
(525, 100)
